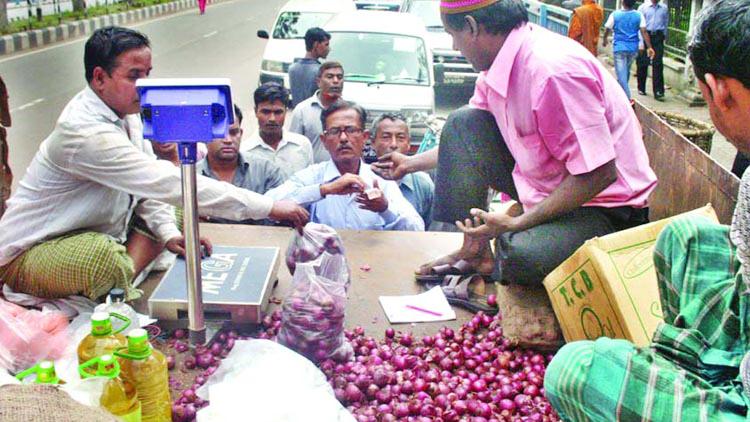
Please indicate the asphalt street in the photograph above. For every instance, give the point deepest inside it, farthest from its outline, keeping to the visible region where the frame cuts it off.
(221, 43)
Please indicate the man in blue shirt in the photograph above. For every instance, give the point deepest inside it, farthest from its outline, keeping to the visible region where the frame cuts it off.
(626, 24)
(344, 192)
(390, 133)
(657, 21)
(304, 71)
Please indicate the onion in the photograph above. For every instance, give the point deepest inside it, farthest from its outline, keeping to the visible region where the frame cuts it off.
(204, 360)
(170, 362)
(179, 334)
(180, 347)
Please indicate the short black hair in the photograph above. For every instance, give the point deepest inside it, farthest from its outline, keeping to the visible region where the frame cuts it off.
(329, 65)
(238, 115)
(628, 3)
(394, 117)
(340, 105)
(314, 35)
(721, 42)
(271, 91)
(106, 44)
(498, 18)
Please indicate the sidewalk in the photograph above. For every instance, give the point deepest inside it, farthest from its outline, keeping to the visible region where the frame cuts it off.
(41, 37)
(721, 150)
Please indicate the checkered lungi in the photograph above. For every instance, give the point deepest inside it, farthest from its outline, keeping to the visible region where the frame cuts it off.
(691, 370)
(82, 263)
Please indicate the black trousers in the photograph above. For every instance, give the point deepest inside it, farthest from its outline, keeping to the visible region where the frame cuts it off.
(474, 157)
(642, 63)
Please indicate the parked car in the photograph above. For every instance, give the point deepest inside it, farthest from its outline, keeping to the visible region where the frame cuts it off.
(387, 64)
(451, 68)
(386, 5)
(287, 40)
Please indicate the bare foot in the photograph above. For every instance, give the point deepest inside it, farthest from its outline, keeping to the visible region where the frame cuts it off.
(476, 251)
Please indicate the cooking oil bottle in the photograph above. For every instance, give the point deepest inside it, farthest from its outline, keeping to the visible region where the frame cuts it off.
(44, 371)
(119, 396)
(146, 368)
(102, 340)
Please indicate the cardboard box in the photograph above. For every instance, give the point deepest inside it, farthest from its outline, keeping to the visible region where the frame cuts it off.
(608, 286)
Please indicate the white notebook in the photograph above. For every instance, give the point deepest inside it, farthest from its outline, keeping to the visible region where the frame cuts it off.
(429, 306)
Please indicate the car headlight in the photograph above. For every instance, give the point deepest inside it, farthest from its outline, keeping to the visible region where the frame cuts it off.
(273, 66)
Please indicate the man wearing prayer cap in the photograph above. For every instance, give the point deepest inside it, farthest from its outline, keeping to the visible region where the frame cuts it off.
(547, 125)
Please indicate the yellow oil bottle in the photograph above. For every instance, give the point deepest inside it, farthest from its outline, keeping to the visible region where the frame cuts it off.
(146, 368)
(119, 396)
(102, 340)
(44, 371)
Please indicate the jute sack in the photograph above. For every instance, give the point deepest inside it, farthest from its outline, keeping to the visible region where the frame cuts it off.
(45, 403)
(528, 318)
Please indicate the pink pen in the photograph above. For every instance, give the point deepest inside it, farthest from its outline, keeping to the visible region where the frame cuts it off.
(427, 311)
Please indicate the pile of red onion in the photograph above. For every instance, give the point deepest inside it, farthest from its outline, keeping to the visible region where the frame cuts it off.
(473, 374)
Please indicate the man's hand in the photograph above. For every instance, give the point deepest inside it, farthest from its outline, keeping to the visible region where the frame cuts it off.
(487, 224)
(344, 185)
(290, 212)
(378, 203)
(176, 245)
(651, 53)
(391, 166)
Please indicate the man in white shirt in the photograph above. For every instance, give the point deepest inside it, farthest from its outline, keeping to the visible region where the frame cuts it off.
(290, 151)
(69, 228)
(306, 115)
(344, 192)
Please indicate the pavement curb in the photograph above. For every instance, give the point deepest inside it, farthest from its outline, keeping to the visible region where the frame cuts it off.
(14, 43)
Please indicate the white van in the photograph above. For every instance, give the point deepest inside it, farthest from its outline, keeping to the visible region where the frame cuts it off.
(387, 64)
(287, 39)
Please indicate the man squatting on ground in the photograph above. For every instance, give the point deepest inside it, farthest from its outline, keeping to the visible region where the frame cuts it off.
(694, 369)
(91, 211)
(549, 125)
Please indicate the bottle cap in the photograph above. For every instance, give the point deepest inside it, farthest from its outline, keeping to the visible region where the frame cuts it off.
(138, 345)
(100, 324)
(46, 373)
(117, 295)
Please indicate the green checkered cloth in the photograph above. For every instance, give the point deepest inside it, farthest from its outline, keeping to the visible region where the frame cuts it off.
(83, 263)
(691, 370)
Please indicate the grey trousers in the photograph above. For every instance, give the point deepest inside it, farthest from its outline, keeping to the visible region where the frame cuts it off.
(473, 158)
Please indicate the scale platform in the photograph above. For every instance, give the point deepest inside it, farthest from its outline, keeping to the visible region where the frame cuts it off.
(237, 284)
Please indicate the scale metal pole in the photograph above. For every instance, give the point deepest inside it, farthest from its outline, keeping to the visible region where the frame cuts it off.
(196, 321)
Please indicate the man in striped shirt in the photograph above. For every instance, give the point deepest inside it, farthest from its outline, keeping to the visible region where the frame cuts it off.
(691, 370)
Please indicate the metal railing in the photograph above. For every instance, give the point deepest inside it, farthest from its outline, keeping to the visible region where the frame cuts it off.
(556, 19)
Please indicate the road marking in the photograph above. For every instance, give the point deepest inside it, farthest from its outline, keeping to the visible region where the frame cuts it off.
(210, 34)
(27, 105)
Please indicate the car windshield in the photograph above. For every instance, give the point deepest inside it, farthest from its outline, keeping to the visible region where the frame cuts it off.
(381, 58)
(295, 24)
(429, 12)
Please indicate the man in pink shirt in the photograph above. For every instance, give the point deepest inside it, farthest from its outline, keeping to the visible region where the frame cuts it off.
(548, 125)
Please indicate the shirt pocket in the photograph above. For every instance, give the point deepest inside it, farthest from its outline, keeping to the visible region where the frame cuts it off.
(532, 156)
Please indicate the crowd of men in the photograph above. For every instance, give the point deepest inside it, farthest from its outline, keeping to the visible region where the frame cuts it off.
(547, 125)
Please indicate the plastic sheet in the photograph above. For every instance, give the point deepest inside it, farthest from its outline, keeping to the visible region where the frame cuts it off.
(28, 336)
(264, 381)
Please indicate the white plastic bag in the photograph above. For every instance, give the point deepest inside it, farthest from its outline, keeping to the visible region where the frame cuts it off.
(264, 381)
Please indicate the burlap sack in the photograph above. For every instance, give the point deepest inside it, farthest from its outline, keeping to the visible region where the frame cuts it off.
(45, 403)
(528, 318)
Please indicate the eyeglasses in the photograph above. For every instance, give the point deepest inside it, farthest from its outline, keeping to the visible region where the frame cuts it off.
(336, 131)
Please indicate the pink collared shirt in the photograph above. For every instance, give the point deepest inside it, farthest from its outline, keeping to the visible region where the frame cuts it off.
(561, 112)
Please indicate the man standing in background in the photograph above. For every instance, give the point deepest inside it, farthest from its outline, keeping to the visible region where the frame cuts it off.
(585, 24)
(304, 71)
(657, 20)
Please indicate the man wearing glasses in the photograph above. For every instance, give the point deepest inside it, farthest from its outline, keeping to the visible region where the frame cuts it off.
(343, 192)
